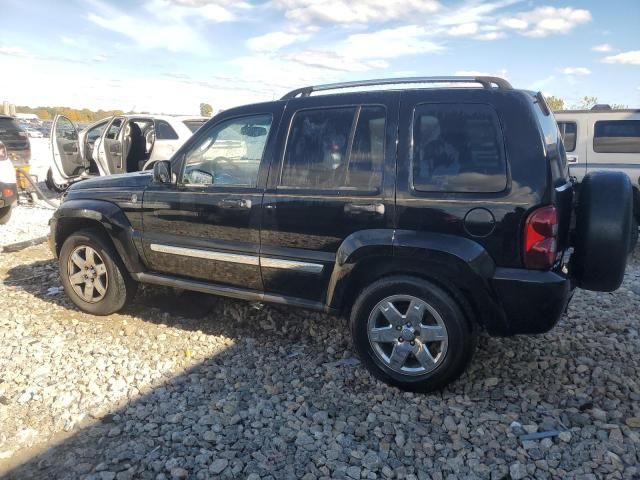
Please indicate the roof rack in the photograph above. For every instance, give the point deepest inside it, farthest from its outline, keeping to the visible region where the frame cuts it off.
(486, 82)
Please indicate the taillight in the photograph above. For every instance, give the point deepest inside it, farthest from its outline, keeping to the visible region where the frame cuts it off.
(540, 238)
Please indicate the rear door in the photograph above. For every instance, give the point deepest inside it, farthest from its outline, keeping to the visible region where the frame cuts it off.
(110, 150)
(334, 176)
(166, 140)
(67, 156)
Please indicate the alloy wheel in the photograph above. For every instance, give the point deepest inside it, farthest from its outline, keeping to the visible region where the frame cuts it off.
(88, 274)
(407, 334)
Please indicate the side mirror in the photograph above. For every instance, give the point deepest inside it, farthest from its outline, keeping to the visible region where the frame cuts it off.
(162, 172)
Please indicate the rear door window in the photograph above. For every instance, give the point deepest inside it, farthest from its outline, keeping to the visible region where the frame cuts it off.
(457, 148)
(335, 149)
(616, 136)
(568, 132)
(114, 129)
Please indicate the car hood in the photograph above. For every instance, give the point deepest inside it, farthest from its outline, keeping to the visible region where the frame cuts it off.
(126, 180)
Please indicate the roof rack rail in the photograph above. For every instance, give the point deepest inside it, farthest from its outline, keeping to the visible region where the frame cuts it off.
(486, 82)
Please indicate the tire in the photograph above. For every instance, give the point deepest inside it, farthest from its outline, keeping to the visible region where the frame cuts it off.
(603, 231)
(5, 215)
(117, 287)
(634, 235)
(52, 185)
(447, 358)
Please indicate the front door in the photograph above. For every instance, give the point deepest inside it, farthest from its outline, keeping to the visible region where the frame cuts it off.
(207, 225)
(68, 161)
(334, 179)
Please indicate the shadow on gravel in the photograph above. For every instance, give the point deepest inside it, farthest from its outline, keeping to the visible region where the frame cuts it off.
(278, 401)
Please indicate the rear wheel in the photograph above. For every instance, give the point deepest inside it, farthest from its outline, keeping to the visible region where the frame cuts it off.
(5, 215)
(411, 334)
(93, 275)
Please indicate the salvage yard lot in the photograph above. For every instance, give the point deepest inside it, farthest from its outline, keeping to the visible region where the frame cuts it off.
(188, 386)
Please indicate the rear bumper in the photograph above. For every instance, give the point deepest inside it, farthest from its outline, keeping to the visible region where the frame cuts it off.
(532, 301)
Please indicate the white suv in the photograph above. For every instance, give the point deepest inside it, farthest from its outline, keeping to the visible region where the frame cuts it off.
(603, 139)
(8, 191)
(119, 144)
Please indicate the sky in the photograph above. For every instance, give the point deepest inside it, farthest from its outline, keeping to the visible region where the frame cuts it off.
(168, 56)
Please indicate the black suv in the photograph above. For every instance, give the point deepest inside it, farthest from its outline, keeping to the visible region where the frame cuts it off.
(424, 214)
(15, 140)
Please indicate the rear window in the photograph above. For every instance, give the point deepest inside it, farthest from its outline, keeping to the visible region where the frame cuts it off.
(7, 124)
(568, 132)
(457, 148)
(194, 125)
(617, 136)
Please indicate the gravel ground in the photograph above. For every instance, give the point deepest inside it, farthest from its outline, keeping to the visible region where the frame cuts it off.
(184, 386)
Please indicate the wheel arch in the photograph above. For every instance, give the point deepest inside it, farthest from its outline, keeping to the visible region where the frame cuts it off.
(457, 265)
(76, 215)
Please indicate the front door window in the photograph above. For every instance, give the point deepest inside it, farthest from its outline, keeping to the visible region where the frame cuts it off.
(229, 154)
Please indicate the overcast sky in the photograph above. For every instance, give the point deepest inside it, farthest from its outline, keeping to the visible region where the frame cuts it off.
(170, 55)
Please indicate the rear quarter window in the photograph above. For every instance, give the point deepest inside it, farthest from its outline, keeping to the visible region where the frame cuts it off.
(194, 125)
(616, 136)
(164, 131)
(457, 148)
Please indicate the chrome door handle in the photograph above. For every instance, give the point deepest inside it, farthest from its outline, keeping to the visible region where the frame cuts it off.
(572, 159)
(359, 208)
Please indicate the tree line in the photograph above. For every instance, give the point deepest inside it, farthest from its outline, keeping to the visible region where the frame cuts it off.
(585, 103)
(73, 114)
(85, 115)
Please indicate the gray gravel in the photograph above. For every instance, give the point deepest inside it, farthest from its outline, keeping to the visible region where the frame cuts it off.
(183, 386)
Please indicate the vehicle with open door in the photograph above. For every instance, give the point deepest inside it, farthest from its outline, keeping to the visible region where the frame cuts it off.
(118, 144)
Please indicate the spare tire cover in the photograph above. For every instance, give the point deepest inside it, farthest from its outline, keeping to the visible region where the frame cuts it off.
(603, 231)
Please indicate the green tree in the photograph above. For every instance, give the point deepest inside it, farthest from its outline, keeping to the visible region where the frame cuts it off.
(206, 110)
(586, 103)
(555, 103)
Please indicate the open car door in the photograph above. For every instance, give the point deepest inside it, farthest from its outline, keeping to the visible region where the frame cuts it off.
(68, 161)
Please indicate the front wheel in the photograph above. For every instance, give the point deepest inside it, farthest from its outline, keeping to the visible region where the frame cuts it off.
(93, 274)
(411, 334)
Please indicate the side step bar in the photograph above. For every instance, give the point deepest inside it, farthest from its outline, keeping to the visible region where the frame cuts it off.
(227, 291)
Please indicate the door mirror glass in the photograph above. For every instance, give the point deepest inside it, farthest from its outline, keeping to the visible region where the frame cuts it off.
(162, 172)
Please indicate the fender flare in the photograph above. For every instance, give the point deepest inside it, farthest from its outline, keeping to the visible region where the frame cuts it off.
(111, 217)
(448, 259)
